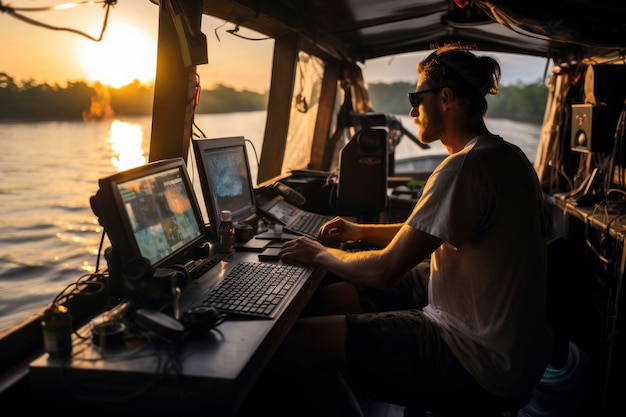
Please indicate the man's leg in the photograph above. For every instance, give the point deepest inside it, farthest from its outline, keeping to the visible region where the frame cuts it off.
(312, 357)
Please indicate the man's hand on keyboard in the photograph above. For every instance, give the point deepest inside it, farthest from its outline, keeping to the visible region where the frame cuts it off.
(339, 230)
(301, 251)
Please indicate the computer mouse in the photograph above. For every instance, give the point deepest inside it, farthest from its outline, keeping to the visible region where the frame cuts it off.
(202, 318)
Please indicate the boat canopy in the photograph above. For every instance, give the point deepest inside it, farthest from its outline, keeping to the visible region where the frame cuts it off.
(358, 30)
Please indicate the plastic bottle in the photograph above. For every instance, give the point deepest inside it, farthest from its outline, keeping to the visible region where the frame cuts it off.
(226, 233)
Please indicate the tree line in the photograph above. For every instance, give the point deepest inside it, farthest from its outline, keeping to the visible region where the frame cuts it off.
(32, 101)
(520, 101)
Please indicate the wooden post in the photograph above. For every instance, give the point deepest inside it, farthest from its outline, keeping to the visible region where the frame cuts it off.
(279, 107)
(175, 84)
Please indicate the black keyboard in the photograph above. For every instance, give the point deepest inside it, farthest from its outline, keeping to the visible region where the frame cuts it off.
(309, 224)
(254, 288)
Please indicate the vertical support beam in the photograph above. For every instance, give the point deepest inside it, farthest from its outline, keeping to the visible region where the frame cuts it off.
(332, 72)
(278, 107)
(172, 112)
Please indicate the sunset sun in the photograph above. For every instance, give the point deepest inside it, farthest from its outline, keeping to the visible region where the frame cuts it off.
(123, 55)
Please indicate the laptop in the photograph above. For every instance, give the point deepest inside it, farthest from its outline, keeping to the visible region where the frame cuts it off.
(294, 219)
(226, 182)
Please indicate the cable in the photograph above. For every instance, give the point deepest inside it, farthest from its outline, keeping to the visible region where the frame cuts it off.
(617, 155)
(196, 101)
(100, 250)
(236, 29)
(301, 104)
(256, 156)
(608, 205)
(588, 226)
(11, 11)
(57, 7)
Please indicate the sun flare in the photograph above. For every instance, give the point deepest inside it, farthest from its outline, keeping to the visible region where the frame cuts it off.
(124, 54)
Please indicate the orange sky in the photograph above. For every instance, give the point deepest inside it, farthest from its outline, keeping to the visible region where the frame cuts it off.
(51, 56)
(54, 56)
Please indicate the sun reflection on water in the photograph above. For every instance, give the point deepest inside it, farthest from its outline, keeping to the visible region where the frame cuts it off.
(126, 140)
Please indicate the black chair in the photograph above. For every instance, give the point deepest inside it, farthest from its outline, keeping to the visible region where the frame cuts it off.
(363, 162)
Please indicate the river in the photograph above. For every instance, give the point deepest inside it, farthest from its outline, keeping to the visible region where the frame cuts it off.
(49, 237)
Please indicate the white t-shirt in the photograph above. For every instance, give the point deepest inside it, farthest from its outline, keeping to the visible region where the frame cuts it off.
(488, 279)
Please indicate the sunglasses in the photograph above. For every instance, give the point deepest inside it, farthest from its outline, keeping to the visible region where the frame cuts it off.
(414, 98)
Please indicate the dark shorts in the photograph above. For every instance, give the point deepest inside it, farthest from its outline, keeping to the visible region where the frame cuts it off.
(395, 354)
(410, 292)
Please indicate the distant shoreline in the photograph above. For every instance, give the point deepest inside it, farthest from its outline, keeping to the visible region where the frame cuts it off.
(74, 119)
(80, 119)
(43, 103)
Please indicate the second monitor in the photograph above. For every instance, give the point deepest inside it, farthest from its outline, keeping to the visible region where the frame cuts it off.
(225, 179)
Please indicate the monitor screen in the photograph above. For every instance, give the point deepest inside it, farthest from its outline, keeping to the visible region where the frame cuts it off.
(225, 178)
(150, 211)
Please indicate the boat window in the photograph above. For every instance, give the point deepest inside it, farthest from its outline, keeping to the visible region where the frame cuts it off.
(232, 51)
(390, 78)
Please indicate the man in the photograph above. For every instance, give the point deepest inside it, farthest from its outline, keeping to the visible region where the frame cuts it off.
(476, 329)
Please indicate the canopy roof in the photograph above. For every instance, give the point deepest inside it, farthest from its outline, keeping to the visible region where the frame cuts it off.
(357, 30)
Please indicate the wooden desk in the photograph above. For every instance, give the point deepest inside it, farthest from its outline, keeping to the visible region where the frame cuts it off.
(210, 372)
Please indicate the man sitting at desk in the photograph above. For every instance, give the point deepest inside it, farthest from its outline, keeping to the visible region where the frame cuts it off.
(475, 327)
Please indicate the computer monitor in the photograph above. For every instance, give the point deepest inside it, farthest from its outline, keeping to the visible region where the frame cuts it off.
(225, 179)
(150, 211)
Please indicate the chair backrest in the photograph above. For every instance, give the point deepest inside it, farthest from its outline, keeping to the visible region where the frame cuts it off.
(362, 179)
